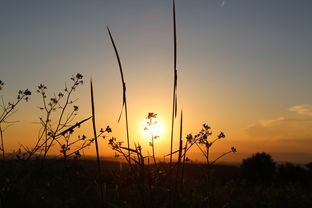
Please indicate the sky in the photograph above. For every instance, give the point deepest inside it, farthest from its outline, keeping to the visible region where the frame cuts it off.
(244, 67)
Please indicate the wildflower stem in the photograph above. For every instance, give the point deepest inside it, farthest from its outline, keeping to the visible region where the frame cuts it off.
(58, 126)
(9, 109)
(220, 157)
(153, 149)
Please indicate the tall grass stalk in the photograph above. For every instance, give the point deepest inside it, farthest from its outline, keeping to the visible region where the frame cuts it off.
(174, 97)
(153, 150)
(2, 144)
(180, 153)
(96, 141)
(124, 104)
(183, 165)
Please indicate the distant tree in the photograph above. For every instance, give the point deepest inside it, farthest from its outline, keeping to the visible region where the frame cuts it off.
(290, 173)
(309, 166)
(258, 169)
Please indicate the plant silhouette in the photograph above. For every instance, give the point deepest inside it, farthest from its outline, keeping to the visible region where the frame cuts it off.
(259, 168)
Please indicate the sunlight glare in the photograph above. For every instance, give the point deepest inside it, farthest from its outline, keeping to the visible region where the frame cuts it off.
(152, 127)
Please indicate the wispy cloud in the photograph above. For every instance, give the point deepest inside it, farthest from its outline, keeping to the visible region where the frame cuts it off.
(304, 109)
(270, 122)
(281, 128)
(223, 3)
(284, 128)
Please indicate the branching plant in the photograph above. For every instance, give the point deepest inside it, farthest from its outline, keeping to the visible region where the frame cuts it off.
(7, 110)
(203, 141)
(57, 124)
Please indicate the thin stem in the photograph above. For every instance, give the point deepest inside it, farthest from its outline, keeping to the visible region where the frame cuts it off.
(172, 126)
(96, 142)
(153, 149)
(127, 128)
(174, 97)
(180, 154)
(48, 146)
(148, 160)
(219, 157)
(207, 161)
(2, 145)
(205, 155)
(9, 109)
(183, 164)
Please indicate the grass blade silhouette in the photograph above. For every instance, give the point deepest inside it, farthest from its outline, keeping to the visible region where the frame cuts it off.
(2, 145)
(73, 127)
(183, 165)
(96, 143)
(174, 97)
(175, 82)
(179, 156)
(124, 102)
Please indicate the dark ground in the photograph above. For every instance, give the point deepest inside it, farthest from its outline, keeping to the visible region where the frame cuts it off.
(75, 183)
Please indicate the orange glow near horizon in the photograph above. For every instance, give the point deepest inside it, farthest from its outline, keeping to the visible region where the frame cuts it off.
(153, 128)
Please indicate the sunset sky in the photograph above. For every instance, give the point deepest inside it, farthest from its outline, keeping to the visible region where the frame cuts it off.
(244, 67)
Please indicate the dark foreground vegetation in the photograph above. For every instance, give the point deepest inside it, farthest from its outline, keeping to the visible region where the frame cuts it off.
(258, 182)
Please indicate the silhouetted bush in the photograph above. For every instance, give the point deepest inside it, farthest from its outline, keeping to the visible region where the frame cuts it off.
(258, 169)
(309, 166)
(290, 173)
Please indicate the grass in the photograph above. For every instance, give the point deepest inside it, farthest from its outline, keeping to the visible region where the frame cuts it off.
(124, 95)
(96, 143)
(175, 82)
(74, 186)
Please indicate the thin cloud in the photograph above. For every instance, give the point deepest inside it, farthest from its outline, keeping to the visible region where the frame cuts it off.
(281, 128)
(304, 109)
(270, 122)
(290, 140)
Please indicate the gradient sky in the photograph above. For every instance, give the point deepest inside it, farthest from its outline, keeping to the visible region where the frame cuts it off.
(244, 67)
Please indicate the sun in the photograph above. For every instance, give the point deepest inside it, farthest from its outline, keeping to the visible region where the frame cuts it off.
(153, 127)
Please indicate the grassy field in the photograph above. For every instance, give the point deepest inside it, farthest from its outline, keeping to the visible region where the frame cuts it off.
(73, 183)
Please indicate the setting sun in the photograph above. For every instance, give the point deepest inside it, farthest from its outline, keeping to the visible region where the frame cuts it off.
(152, 126)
